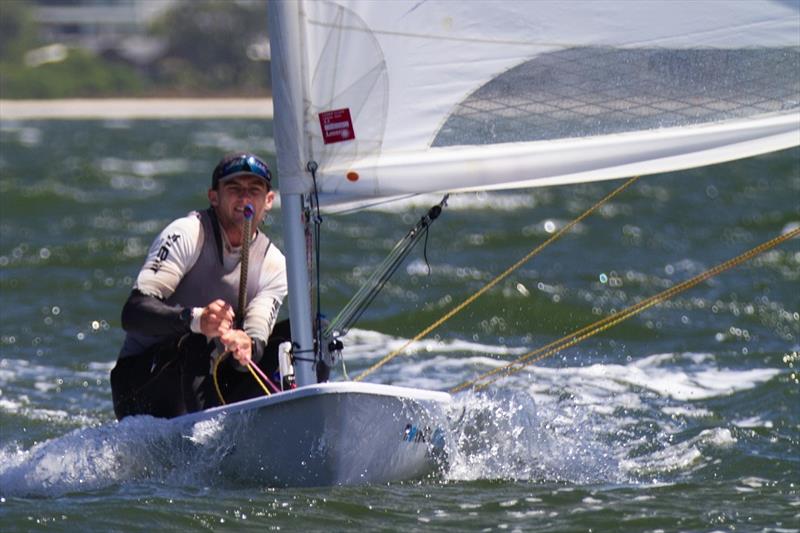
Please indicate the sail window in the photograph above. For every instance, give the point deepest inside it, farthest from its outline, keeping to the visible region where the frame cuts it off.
(592, 91)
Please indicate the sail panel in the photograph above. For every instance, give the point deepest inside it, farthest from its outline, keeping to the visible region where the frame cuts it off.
(586, 92)
(405, 98)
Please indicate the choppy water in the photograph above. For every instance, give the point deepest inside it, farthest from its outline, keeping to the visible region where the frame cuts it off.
(685, 417)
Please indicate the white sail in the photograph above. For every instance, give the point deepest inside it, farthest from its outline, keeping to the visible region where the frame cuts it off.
(392, 98)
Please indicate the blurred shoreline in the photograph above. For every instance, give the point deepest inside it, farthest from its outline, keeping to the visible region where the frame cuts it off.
(135, 108)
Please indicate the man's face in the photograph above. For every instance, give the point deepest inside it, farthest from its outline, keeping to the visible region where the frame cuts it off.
(234, 193)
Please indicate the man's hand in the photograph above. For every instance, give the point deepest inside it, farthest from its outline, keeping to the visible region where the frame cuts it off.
(239, 344)
(216, 319)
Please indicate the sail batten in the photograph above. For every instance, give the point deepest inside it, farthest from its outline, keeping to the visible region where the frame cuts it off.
(446, 96)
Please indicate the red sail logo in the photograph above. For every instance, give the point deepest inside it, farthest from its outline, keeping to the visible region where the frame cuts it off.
(337, 126)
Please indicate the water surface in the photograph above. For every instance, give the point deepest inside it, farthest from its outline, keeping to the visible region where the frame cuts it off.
(682, 418)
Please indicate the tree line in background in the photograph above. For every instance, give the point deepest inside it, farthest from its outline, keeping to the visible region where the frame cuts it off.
(205, 48)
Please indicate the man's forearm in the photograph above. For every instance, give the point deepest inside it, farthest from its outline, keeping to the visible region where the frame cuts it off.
(147, 315)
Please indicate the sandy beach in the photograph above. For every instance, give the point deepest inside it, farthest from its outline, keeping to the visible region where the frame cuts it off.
(132, 108)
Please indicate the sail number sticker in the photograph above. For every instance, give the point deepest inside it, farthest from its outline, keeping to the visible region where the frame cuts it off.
(337, 126)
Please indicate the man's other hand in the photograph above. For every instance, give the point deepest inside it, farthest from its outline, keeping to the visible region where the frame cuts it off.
(216, 319)
(239, 344)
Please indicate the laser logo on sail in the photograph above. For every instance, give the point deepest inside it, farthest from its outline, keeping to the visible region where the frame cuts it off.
(336, 125)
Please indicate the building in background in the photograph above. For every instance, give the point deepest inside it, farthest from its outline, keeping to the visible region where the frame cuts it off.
(103, 27)
(92, 48)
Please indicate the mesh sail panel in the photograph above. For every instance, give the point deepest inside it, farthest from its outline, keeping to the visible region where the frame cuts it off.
(584, 92)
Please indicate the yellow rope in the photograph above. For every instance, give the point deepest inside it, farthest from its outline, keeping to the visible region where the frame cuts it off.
(216, 381)
(614, 319)
(249, 367)
(257, 378)
(495, 281)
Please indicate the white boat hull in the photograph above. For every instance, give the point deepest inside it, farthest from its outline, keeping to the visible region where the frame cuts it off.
(342, 433)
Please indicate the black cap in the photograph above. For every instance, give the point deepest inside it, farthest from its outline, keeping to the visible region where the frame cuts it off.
(238, 164)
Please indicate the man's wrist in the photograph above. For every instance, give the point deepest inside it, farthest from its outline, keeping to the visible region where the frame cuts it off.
(194, 325)
(190, 316)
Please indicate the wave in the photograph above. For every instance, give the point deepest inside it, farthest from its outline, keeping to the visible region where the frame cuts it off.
(628, 422)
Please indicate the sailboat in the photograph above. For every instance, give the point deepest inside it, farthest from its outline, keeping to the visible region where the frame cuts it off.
(376, 101)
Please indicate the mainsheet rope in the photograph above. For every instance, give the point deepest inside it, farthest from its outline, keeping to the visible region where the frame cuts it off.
(244, 266)
(572, 339)
(450, 314)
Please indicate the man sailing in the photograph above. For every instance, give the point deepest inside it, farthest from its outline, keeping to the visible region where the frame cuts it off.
(180, 313)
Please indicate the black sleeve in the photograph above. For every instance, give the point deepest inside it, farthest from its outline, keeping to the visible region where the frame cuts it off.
(147, 315)
(257, 349)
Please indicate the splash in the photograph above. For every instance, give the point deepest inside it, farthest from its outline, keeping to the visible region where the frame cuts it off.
(652, 420)
(137, 449)
(624, 422)
(504, 435)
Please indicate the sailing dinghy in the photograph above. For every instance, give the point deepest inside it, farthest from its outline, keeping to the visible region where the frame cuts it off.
(387, 99)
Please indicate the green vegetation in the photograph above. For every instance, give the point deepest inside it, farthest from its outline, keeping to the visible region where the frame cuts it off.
(79, 75)
(17, 31)
(208, 47)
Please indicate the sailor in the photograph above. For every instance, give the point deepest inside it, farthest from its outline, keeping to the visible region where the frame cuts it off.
(181, 314)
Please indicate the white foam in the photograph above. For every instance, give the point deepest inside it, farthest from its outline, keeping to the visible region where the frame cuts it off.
(365, 344)
(685, 376)
(678, 376)
(754, 482)
(681, 456)
(687, 411)
(753, 422)
(138, 448)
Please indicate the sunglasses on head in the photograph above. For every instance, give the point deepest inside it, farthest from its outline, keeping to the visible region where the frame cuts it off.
(244, 163)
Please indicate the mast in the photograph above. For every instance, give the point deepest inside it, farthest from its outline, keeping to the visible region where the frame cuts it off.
(287, 92)
(299, 289)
